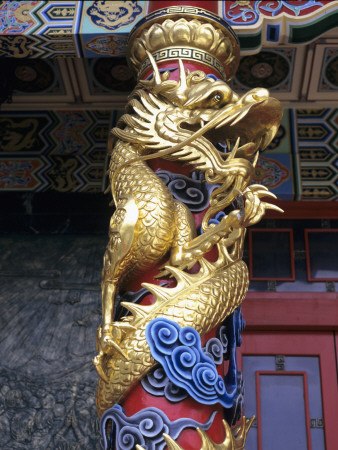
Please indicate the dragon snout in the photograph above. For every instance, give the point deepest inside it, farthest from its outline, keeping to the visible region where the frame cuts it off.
(255, 95)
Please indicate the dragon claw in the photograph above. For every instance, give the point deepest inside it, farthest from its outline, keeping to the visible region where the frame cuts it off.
(254, 207)
(266, 194)
(107, 343)
(97, 361)
(274, 207)
(109, 337)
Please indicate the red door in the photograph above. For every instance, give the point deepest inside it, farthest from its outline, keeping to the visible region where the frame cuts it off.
(290, 384)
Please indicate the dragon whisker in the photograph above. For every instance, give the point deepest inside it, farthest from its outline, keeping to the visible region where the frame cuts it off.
(156, 72)
(234, 150)
(242, 114)
(180, 121)
(255, 159)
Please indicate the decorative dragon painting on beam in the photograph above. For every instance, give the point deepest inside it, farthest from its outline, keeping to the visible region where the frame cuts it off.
(173, 278)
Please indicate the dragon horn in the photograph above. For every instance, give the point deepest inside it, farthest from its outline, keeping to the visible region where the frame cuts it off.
(157, 76)
(183, 78)
(182, 87)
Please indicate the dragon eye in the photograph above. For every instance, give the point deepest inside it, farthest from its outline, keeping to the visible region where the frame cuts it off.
(217, 98)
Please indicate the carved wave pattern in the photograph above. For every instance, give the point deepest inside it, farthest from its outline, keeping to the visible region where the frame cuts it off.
(220, 348)
(179, 352)
(193, 192)
(158, 384)
(234, 414)
(145, 428)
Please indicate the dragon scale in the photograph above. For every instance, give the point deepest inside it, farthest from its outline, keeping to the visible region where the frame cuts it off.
(152, 233)
(149, 224)
(155, 205)
(208, 302)
(182, 111)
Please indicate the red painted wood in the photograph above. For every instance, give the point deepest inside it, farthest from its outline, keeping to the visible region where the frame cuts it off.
(336, 349)
(208, 5)
(307, 343)
(306, 403)
(259, 415)
(292, 261)
(139, 399)
(304, 210)
(286, 311)
(307, 410)
(188, 64)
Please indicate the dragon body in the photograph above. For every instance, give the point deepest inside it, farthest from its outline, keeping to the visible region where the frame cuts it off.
(178, 121)
(201, 300)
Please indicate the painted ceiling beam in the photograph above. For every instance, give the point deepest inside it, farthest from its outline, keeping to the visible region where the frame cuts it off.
(89, 29)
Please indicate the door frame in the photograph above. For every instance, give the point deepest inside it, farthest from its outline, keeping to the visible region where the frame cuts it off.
(321, 344)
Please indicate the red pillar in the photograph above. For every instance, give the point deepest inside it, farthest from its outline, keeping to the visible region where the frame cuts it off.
(205, 43)
(211, 6)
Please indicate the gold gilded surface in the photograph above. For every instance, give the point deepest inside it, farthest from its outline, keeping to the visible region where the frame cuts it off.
(234, 438)
(201, 300)
(213, 43)
(178, 121)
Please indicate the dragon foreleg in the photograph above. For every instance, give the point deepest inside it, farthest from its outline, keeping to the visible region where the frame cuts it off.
(186, 255)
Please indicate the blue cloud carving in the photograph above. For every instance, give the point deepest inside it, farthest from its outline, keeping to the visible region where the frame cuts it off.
(179, 352)
(144, 428)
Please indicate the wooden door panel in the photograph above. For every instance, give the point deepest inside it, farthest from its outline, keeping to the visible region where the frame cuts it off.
(291, 388)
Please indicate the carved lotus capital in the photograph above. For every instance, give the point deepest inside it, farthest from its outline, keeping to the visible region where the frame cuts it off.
(212, 39)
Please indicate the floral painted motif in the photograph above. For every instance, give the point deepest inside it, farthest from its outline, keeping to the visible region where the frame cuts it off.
(15, 17)
(69, 135)
(107, 45)
(248, 12)
(18, 174)
(270, 172)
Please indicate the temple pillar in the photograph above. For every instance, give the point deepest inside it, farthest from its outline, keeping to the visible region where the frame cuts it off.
(173, 277)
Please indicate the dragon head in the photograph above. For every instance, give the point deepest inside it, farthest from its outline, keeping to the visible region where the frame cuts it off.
(224, 116)
(184, 120)
(210, 105)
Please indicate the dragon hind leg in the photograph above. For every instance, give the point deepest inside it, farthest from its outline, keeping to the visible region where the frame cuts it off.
(121, 237)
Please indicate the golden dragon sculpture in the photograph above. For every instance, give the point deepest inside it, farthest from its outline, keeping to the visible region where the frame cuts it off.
(179, 121)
